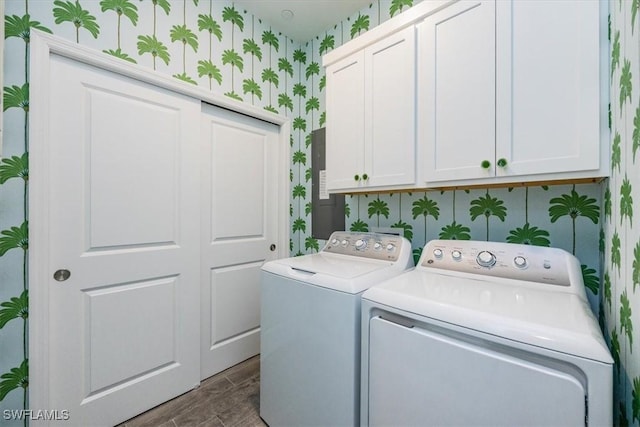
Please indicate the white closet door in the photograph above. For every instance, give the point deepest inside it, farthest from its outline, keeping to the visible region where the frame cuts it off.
(239, 232)
(122, 219)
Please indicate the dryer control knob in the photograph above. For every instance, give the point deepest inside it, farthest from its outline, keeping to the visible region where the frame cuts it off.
(361, 244)
(520, 262)
(437, 253)
(486, 259)
(456, 255)
(377, 246)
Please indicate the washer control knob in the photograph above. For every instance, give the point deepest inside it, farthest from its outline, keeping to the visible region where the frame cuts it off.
(344, 242)
(361, 244)
(456, 255)
(486, 259)
(377, 246)
(334, 241)
(520, 262)
(391, 247)
(437, 253)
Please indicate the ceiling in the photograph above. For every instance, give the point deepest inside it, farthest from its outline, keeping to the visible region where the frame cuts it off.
(301, 20)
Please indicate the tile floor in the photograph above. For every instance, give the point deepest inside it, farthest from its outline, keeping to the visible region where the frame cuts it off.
(230, 398)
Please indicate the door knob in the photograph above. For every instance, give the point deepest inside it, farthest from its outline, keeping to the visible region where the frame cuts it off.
(272, 247)
(61, 275)
(502, 162)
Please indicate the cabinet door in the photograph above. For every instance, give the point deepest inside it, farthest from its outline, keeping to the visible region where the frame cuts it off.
(456, 78)
(548, 93)
(390, 136)
(345, 122)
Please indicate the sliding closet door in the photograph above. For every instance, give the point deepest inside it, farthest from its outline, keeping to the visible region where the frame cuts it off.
(122, 218)
(239, 232)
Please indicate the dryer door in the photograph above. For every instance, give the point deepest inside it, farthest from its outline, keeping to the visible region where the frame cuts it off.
(420, 377)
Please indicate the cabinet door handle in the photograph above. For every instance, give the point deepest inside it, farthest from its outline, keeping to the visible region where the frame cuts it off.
(365, 177)
(502, 162)
(357, 177)
(486, 164)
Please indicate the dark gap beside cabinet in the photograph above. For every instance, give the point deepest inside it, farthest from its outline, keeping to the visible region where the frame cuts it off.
(327, 214)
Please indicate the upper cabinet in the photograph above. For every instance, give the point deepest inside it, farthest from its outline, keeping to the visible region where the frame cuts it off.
(371, 135)
(513, 91)
(462, 93)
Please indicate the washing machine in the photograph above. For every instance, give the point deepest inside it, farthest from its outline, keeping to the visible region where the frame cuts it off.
(484, 334)
(310, 327)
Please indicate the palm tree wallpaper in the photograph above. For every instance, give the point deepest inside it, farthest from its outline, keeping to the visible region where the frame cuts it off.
(224, 49)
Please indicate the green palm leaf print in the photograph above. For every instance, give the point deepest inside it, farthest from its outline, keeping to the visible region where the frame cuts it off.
(299, 157)
(16, 97)
(252, 87)
(251, 47)
(180, 33)
(207, 23)
(397, 5)
(299, 191)
(626, 201)
(529, 235)
(308, 208)
(487, 206)
(185, 78)
(14, 167)
(230, 14)
(635, 4)
(268, 75)
(626, 324)
(285, 101)
(312, 104)
(20, 26)
(313, 69)
(14, 238)
(635, 275)
(207, 68)
(270, 39)
(455, 231)
(615, 152)
(359, 226)
(231, 57)
(16, 307)
(615, 251)
(118, 53)
(625, 84)
(300, 90)
(121, 7)
(407, 229)
(323, 83)
(68, 11)
(299, 225)
(285, 65)
(164, 4)
(300, 56)
(327, 44)
(590, 279)
(15, 378)
(378, 207)
(607, 203)
(359, 25)
(299, 124)
(153, 46)
(574, 206)
(607, 288)
(311, 243)
(615, 349)
(425, 207)
(615, 52)
(323, 118)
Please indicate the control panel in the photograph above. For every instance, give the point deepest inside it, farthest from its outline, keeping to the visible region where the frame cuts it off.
(368, 245)
(514, 261)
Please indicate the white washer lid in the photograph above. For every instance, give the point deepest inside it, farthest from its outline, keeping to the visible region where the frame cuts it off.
(516, 310)
(343, 273)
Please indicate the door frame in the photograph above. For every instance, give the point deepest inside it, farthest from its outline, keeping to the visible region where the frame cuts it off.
(43, 46)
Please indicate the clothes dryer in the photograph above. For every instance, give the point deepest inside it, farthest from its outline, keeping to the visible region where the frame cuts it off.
(310, 328)
(484, 334)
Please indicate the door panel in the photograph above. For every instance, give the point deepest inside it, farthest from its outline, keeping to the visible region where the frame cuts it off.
(421, 377)
(239, 202)
(457, 94)
(123, 218)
